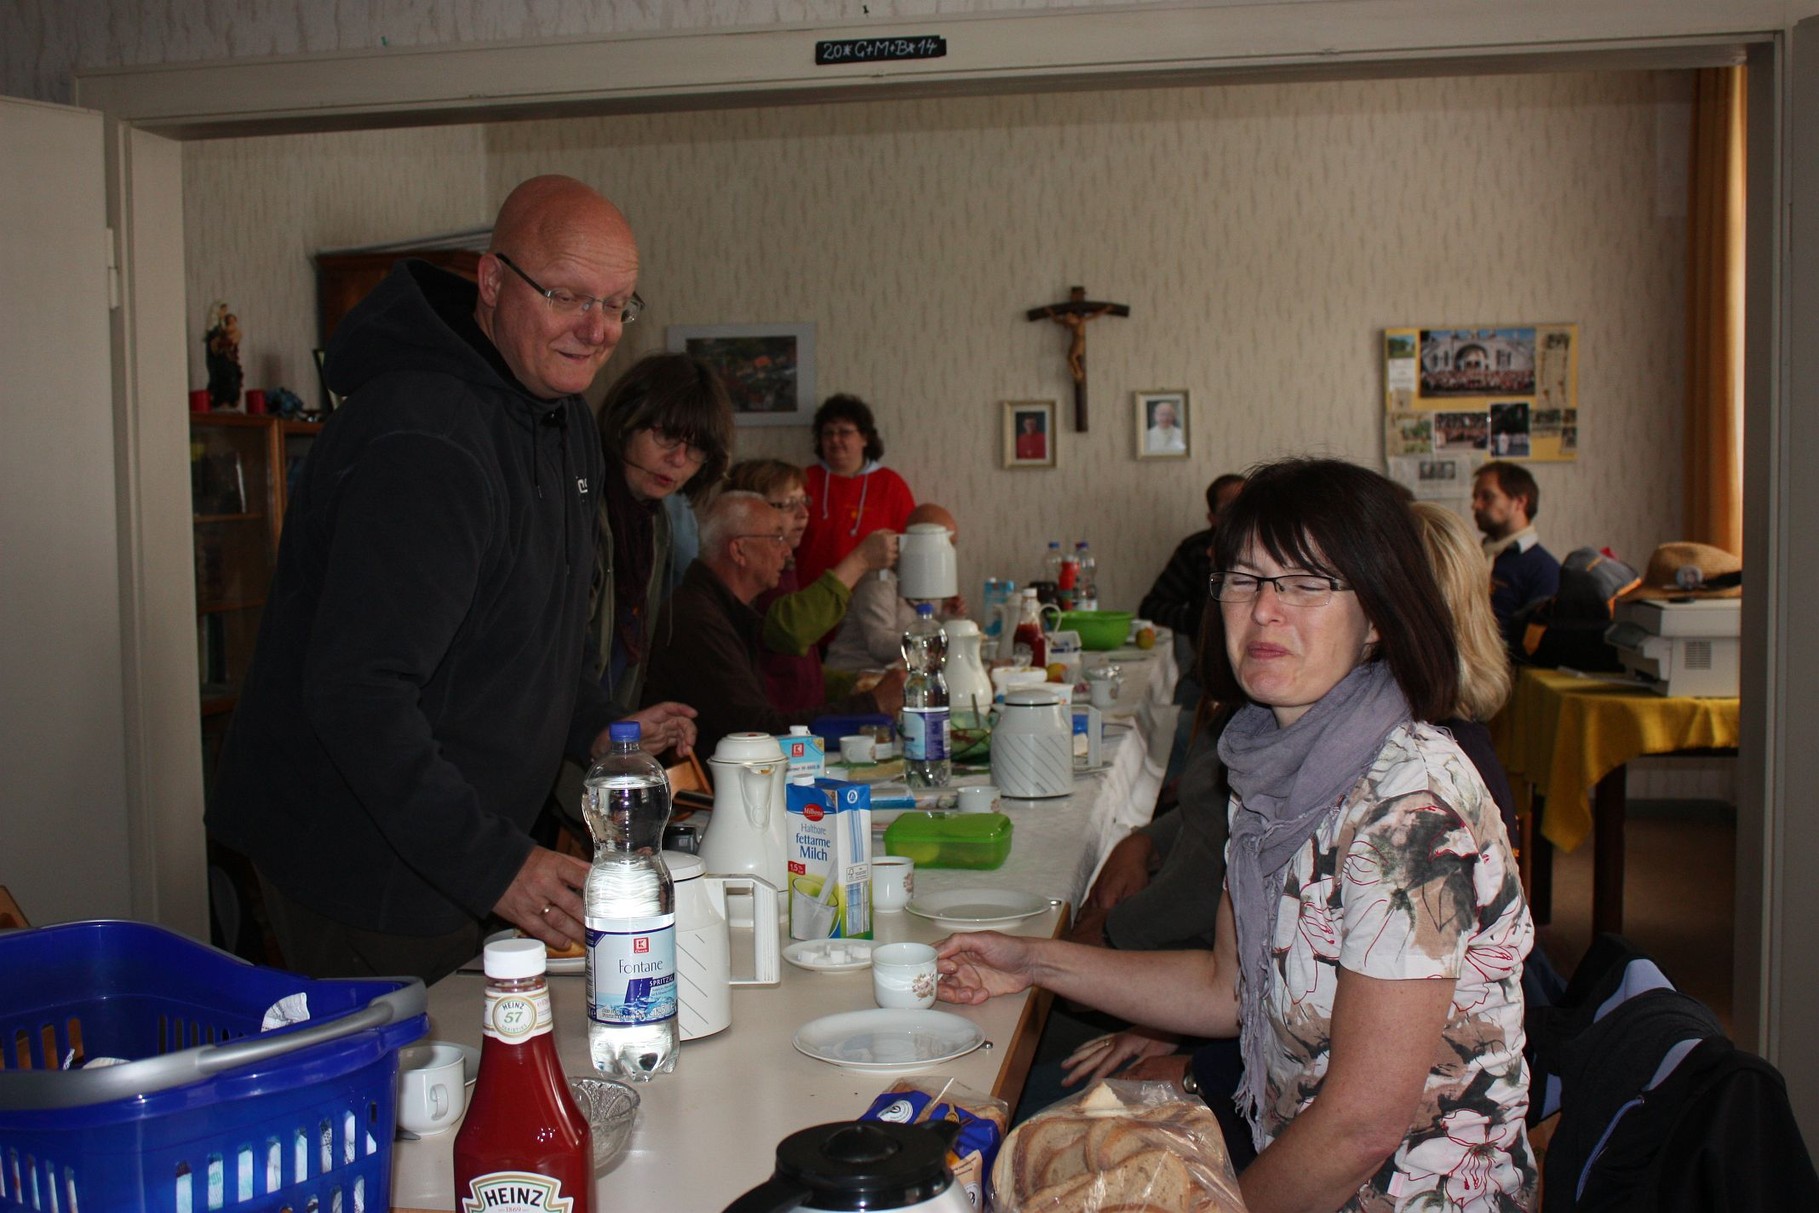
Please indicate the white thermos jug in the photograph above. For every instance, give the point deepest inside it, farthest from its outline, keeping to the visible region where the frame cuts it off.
(704, 974)
(1033, 745)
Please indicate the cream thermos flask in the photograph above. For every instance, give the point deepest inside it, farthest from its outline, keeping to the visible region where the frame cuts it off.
(704, 974)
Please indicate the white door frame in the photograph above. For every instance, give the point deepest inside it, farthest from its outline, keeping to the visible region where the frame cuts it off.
(1778, 772)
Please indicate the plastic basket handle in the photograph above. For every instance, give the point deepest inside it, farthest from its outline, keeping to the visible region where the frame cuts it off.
(46, 1089)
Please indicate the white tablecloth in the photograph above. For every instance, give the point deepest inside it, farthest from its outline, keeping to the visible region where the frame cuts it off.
(1057, 845)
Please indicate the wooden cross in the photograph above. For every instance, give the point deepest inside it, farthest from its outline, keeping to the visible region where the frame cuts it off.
(1074, 315)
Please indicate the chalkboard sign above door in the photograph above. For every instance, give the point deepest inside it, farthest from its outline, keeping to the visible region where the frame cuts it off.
(880, 50)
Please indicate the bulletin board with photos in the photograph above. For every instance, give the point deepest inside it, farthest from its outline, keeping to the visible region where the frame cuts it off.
(1455, 397)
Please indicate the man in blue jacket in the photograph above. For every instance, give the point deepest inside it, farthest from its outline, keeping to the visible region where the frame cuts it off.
(1505, 501)
(419, 671)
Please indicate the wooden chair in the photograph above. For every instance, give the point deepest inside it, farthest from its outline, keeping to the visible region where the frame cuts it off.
(689, 775)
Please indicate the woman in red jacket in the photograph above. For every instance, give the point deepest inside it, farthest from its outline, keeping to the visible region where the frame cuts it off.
(849, 494)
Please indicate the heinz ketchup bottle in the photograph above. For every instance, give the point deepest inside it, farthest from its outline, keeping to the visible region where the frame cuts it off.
(524, 1145)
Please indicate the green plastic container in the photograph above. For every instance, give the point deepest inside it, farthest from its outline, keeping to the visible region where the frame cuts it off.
(950, 840)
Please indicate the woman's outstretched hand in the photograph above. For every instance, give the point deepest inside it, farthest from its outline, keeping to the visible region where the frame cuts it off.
(977, 965)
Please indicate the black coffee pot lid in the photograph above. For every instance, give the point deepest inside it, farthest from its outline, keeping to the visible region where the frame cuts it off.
(864, 1164)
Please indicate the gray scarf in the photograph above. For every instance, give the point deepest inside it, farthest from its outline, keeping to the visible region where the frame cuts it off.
(1286, 780)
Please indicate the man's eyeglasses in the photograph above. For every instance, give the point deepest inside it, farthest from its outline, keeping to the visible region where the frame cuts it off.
(1292, 589)
(566, 303)
(780, 538)
(789, 505)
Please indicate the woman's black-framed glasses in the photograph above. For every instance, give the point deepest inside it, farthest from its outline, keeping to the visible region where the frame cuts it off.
(568, 303)
(1292, 589)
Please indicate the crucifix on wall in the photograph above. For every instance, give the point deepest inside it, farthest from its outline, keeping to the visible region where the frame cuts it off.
(1074, 315)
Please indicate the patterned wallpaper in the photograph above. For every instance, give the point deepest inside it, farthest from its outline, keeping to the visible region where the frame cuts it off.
(1263, 236)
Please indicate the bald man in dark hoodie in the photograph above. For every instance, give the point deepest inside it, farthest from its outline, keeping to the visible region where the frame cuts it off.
(419, 671)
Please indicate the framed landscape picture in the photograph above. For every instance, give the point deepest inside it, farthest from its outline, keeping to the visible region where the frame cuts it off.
(769, 369)
(1029, 433)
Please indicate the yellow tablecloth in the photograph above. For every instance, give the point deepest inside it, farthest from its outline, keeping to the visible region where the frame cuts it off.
(1563, 733)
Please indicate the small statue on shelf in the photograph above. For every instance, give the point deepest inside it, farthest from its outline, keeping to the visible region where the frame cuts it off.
(221, 345)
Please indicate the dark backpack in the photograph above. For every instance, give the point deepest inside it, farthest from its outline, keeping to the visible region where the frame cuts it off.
(1568, 629)
(1659, 1112)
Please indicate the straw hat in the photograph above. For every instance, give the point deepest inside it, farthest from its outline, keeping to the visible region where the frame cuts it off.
(1683, 569)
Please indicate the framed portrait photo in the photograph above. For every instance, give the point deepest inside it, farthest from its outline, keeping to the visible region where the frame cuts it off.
(769, 369)
(1029, 433)
(1161, 421)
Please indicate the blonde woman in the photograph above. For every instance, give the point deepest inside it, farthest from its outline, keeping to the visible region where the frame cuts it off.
(1458, 560)
(1484, 664)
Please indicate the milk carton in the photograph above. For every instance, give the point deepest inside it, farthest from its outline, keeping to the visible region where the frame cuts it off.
(830, 860)
(805, 752)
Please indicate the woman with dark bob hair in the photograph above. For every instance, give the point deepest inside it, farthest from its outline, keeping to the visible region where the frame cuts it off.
(1369, 946)
(666, 425)
(850, 493)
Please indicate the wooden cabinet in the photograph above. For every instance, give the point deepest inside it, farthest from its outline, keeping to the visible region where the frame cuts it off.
(241, 471)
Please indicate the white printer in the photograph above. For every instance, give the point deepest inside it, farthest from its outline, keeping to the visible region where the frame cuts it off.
(1679, 646)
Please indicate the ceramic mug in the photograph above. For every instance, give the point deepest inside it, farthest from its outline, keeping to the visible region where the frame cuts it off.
(981, 798)
(904, 976)
(858, 749)
(432, 1086)
(893, 880)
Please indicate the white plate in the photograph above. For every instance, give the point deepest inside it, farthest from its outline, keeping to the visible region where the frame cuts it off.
(557, 964)
(977, 909)
(888, 1040)
(813, 954)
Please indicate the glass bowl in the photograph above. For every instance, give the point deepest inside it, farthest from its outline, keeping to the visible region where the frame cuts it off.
(610, 1108)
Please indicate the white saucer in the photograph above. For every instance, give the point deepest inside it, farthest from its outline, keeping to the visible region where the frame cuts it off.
(814, 954)
(888, 1040)
(977, 909)
(557, 964)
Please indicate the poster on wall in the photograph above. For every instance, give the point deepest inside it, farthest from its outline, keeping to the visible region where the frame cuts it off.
(1494, 392)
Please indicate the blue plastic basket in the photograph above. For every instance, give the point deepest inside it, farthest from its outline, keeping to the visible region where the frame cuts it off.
(208, 1111)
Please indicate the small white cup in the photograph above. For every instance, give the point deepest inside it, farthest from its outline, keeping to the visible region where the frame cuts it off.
(893, 880)
(982, 798)
(432, 1088)
(904, 976)
(1104, 692)
(858, 749)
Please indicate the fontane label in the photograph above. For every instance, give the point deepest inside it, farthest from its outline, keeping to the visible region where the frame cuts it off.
(631, 969)
(515, 1192)
(925, 734)
(880, 50)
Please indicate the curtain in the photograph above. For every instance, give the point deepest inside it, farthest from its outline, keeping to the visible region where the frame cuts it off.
(1714, 326)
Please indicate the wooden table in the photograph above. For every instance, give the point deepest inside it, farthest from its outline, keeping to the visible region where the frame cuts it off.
(1564, 735)
(709, 1131)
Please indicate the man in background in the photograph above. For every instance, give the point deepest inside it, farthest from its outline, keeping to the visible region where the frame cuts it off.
(1505, 502)
(419, 672)
(711, 641)
(1178, 601)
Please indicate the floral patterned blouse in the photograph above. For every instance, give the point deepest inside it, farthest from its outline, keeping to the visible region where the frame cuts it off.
(1412, 877)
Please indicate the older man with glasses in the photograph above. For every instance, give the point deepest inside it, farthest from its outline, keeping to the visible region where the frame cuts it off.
(710, 639)
(419, 675)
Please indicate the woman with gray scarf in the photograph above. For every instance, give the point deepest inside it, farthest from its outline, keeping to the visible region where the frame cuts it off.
(1370, 942)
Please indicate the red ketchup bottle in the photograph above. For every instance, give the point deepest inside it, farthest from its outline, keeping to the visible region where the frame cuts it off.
(1029, 636)
(524, 1146)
